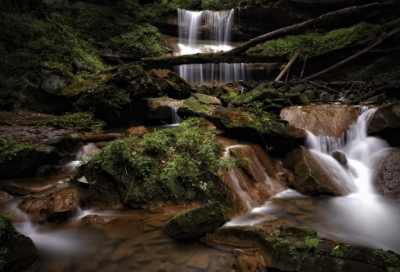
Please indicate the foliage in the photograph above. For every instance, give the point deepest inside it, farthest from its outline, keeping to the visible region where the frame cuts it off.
(392, 262)
(316, 43)
(178, 164)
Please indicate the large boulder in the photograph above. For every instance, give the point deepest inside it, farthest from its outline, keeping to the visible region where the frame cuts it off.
(18, 253)
(198, 222)
(52, 82)
(160, 108)
(171, 84)
(386, 123)
(387, 179)
(316, 175)
(298, 249)
(329, 120)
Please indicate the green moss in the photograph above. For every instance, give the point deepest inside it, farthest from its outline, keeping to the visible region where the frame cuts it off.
(182, 164)
(80, 120)
(192, 107)
(317, 43)
(338, 251)
(392, 262)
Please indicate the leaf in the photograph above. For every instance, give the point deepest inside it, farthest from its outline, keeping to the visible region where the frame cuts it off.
(336, 247)
(83, 180)
(93, 182)
(133, 153)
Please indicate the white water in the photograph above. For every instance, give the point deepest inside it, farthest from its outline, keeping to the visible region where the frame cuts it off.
(219, 36)
(176, 119)
(362, 217)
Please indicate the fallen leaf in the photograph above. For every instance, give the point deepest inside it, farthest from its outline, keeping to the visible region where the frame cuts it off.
(336, 247)
(83, 180)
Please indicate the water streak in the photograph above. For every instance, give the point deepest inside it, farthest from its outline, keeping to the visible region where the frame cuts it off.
(176, 119)
(218, 33)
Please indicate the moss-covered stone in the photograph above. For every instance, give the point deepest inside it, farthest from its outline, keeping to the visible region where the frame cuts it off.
(226, 94)
(207, 99)
(23, 160)
(298, 249)
(198, 222)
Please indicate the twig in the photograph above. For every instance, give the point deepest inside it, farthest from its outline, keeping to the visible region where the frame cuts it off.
(370, 94)
(304, 66)
(397, 30)
(288, 65)
(322, 86)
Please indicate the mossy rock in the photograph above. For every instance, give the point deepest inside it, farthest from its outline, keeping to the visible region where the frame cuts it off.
(17, 252)
(193, 108)
(226, 94)
(198, 222)
(171, 84)
(23, 160)
(207, 99)
(261, 93)
(298, 249)
(297, 98)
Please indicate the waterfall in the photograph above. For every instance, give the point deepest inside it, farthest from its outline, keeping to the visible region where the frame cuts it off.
(176, 119)
(363, 216)
(218, 32)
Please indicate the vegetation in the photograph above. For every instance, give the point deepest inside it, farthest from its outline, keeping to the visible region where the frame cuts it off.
(316, 43)
(182, 164)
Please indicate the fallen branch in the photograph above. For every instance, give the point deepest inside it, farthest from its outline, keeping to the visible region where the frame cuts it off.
(371, 94)
(324, 87)
(356, 13)
(304, 66)
(397, 30)
(288, 65)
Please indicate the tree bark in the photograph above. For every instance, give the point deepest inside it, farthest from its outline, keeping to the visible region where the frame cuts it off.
(359, 12)
(397, 30)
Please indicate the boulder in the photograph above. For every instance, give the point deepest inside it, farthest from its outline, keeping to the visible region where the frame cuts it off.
(310, 176)
(136, 131)
(198, 222)
(24, 160)
(226, 94)
(329, 120)
(339, 156)
(387, 179)
(207, 99)
(171, 83)
(18, 252)
(52, 82)
(46, 171)
(386, 123)
(298, 249)
(160, 108)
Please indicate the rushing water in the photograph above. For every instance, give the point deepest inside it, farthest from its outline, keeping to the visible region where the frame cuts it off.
(362, 217)
(218, 36)
(176, 119)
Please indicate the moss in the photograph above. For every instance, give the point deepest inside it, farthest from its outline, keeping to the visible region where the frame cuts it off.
(192, 107)
(227, 94)
(182, 164)
(195, 223)
(317, 43)
(80, 120)
(260, 93)
(392, 262)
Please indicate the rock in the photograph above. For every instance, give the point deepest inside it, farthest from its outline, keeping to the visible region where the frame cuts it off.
(171, 83)
(18, 252)
(207, 99)
(329, 120)
(102, 144)
(310, 177)
(200, 260)
(52, 82)
(386, 123)
(136, 131)
(24, 160)
(4, 197)
(247, 263)
(46, 171)
(195, 223)
(160, 108)
(340, 157)
(297, 98)
(375, 100)
(49, 206)
(226, 94)
(166, 267)
(297, 89)
(387, 179)
(305, 205)
(298, 249)
(310, 94)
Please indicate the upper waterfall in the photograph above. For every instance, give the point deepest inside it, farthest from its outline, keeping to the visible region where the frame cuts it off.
(216, 37)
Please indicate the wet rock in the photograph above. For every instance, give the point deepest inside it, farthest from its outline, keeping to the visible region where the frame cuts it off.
(18, 252)
(298, 249)
(195, 223)
(387, 179)
(330, 120)
(200, 260)
(51, 206)
(171, 83)
(227, 94)
(304, 205)
(136, 131)
(340, 157)
(52, 82)
(160, 108)
(166, 267)
(207, 99)
(386, 123)
(297, 89)
(5, 196)
(46, 171)
(310, 178)
(247, 263)
(102, 144)
(23, 160)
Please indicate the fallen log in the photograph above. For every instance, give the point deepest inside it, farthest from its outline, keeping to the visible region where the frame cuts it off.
(288, 66)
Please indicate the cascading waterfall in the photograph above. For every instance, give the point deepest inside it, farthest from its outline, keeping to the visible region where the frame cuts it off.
(218, 32)
(176, 119)
(362, 217)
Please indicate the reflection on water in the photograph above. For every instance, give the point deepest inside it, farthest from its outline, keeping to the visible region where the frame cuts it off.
(362, 217)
